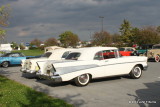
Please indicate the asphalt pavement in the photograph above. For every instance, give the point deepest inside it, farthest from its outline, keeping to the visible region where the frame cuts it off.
(106, 92)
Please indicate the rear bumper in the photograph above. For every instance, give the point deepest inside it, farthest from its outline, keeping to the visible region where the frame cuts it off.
(28, 71)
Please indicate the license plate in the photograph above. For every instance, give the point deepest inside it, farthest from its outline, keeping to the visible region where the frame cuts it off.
(48, 72)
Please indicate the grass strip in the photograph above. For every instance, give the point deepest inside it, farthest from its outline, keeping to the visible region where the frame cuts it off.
(13, 94)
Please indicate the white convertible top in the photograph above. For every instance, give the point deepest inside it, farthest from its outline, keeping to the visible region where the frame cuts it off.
(57, 54)
(89, 52)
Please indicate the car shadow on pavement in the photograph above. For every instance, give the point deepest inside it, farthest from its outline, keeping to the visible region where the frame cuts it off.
(149, 96)
(71, 83)
(53, 84)
(105, 79)
(29, 76)
(34, 98)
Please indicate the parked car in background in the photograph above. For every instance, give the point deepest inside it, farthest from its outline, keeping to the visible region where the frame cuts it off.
(30, 65)
(126, 51)
(142, 50)
(83, 65)
(154, 53)
(12, 59)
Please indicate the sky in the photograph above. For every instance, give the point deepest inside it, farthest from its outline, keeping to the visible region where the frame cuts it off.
(43, 19)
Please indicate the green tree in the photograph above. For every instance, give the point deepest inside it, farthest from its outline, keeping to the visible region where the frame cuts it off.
(36, 42)
(147, 35)
(50, 42)
(22, 47)
(14, 45)
(126, 32)
(158, 29)
(101, 38)
(68, 39)
(4, 16)
(116, 40)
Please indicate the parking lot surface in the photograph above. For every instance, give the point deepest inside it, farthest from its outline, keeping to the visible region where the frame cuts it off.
(113, 92)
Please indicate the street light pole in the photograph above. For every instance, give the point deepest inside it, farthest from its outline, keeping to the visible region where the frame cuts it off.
(102, 21)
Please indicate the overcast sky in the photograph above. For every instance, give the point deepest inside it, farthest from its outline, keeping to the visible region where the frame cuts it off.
(48, 18)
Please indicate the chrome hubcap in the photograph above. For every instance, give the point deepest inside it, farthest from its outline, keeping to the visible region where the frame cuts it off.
(83, 78)
(137, 71)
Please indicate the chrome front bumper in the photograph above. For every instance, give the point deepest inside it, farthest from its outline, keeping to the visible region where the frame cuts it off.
(54, 78)
(145, 68)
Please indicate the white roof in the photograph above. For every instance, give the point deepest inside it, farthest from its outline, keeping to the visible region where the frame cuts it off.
(89, 52)
(57, 54)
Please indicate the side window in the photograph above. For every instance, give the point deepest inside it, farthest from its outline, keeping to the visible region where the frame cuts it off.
(65, 54)
(73, 56)
(106, 54)
(47, 54)
(21, 55)
(98, 56)
(14, 55)
(128, 49)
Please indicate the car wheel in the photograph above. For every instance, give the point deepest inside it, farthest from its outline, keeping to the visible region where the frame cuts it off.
(5, 64)
(136, 72)
(157, 58)
(82, 80)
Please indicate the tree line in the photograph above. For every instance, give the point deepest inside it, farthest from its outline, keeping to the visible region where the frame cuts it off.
(127, 36)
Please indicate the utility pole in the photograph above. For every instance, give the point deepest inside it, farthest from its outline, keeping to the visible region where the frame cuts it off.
(101, 22)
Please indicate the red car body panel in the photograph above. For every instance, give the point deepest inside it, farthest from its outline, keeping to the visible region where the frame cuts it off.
(125, 53)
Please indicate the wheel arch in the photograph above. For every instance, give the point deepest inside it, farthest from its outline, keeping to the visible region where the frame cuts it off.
(140, 65)
(6, 61)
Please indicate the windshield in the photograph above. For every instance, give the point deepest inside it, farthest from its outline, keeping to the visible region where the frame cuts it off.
(73, 56)
(121, 49)
(156, 47)
(46, 54)
(5, 55)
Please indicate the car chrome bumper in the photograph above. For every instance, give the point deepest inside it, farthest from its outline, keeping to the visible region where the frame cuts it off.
(145, 68)
(28, 71)
(54, 78)
(23, 70)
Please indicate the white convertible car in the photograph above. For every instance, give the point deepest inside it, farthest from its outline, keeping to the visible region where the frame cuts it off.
(30, 65)
(82, 65)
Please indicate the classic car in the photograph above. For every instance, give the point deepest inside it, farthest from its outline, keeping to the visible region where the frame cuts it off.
(12, 59)
(126, 51)
(83, 65)
(142, 50)
(30, 65)
(154, 53)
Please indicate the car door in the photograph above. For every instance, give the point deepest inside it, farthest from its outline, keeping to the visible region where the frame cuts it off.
(111, 64)
(16, 58)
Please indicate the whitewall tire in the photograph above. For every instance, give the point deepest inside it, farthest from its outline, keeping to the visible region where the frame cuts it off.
(82, 80)
(136, 72)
